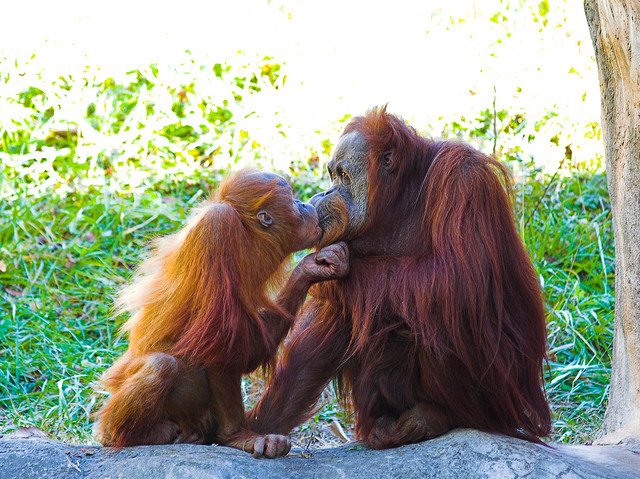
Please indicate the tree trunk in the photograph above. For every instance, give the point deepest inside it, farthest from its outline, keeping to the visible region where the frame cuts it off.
(615, 31)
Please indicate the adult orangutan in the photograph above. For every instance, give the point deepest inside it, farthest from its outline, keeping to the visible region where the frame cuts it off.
(440, 323)
(202, 317)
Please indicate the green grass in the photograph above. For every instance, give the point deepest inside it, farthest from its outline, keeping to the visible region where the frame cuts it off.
(570, 240)
(76, 214)
(64, 259)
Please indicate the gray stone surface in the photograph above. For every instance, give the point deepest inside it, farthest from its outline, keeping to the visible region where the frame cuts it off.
(460, 454)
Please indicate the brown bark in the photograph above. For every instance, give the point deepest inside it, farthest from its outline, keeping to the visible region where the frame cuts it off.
(615, 31)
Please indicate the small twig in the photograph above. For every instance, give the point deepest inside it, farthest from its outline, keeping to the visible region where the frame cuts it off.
(544, 193)
(495, 127)
(140, 225)
(336, 428)
(71, 464)
(306, 450)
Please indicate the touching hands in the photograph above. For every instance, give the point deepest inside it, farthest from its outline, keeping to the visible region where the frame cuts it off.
(331, 262)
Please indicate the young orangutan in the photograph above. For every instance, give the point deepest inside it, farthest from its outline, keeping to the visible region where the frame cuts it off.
(202, 317)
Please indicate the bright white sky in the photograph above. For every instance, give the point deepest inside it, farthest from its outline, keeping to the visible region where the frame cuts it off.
(427, 59)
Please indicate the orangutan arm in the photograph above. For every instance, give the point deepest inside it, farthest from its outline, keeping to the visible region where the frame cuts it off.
(232, 430)
(311, 357)
(331, 262)
(290, 300)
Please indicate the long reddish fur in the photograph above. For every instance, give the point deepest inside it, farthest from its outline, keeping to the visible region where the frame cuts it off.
(456, 320)
(197, 298)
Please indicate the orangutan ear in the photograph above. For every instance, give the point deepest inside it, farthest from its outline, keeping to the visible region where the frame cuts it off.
(387, 160)
(264, 218)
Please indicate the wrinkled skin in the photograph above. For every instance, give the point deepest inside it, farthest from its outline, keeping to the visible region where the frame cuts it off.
(342, 209)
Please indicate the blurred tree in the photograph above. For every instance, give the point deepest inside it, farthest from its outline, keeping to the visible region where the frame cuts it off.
(615, 31)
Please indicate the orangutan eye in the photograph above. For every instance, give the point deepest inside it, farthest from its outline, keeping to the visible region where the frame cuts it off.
(344, 177)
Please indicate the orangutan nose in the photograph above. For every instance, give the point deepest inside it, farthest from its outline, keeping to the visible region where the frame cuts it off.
(319, 197)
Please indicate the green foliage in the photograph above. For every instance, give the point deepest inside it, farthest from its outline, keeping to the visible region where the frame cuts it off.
(92, 168)
(568, 232)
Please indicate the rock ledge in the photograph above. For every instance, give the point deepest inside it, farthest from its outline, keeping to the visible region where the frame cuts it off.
(462, 453)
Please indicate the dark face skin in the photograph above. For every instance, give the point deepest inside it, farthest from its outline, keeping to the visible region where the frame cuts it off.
(306, 231)
(343, 208)
(309, 232)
